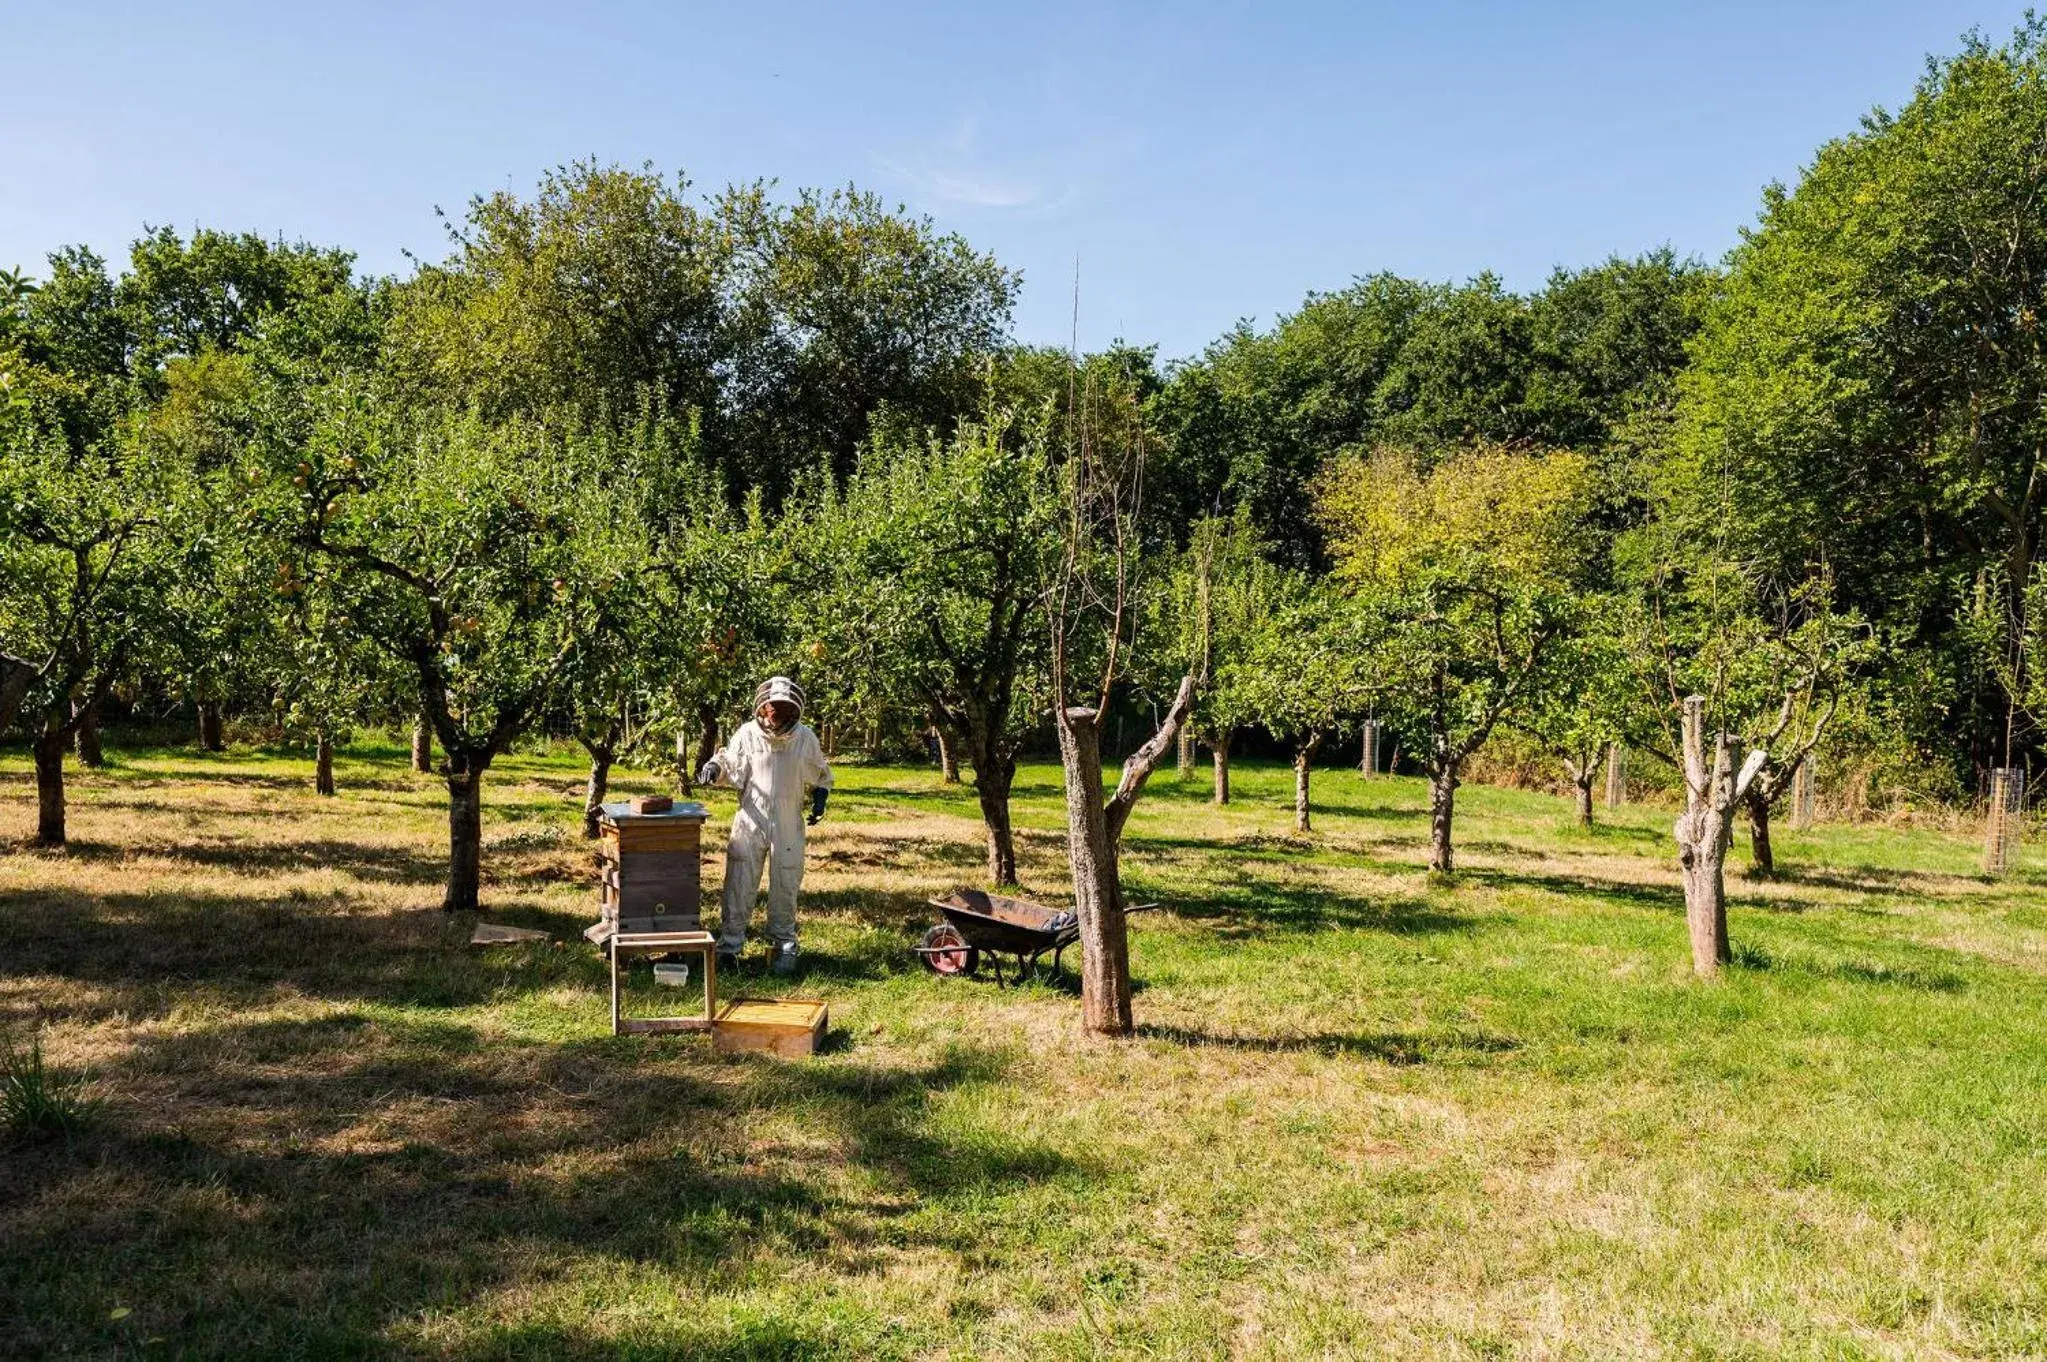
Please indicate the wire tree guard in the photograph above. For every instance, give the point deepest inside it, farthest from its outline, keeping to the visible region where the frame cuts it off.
(1368, 757)
(2005, 826)
(1616, 775)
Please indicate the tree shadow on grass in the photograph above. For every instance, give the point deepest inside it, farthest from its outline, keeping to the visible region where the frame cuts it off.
(202, 770)
(893, 853)
(522, 857)
(1868, 879)
(1020, 790)
(352, 772)
(364, 860)
(825, 1328)
(311, 1188)
(1792, 907)
(1392, 1047)
(1919, 977)
(136, 950)
(903, 912)
(1381, 855)
(1570, 836)
(189, 809)
(1655, 897)
(1483, 846)
(351, 777)
(1245, 905)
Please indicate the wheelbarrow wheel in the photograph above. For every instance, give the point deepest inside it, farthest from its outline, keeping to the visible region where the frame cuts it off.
(945, 951)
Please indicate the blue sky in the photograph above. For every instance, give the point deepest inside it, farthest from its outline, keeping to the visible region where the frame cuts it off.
(1203, 162)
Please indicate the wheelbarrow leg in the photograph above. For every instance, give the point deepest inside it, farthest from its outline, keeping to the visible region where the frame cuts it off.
(1056, 963)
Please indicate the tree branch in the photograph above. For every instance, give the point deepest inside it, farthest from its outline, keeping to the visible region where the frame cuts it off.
(1145, 760)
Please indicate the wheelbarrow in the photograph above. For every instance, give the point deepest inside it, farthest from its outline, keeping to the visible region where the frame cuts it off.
(995, 925)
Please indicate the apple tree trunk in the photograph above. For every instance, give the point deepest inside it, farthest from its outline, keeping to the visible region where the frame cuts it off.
(1304, 760)
(602, 755)
(992, 780)
(1583, 774)
(465, 832)
(86, 715)
(694, 746)
(210, 727)
(1443, 784)
(50, 742)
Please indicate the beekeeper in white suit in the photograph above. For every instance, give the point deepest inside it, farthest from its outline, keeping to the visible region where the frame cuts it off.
(774, 760)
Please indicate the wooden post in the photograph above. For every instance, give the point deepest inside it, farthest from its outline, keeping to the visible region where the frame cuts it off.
(1804, 797)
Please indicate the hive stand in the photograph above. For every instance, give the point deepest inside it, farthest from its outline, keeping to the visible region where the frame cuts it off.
(699, 943)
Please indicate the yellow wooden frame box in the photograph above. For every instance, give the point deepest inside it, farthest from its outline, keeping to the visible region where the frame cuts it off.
(791, 1027)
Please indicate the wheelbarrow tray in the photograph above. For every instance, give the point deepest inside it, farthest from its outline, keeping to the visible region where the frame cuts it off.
(996, 922)
(999, 925)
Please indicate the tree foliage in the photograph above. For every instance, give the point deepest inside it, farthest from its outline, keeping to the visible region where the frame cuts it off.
(485, 559)
(1470, 569)
(1870, 380)
(947, 550)
(785, 327)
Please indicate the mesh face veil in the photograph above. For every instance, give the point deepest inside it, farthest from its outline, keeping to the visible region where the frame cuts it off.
(779, 691)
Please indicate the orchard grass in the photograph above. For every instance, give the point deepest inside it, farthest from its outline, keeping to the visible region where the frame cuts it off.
(1365, 1115)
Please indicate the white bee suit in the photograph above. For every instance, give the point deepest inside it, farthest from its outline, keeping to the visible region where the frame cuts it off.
(773, 773)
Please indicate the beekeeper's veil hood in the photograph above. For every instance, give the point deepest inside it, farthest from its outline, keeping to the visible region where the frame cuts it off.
(782, 689)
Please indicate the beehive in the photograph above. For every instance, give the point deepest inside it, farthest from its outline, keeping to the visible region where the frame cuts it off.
(649, 876)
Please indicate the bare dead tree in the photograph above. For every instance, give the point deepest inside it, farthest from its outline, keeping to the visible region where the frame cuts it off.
(1715, 787)
(1796, 659)
(1092, 620)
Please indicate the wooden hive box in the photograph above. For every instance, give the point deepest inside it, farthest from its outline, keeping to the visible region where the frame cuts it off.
(649, 876)
(791, 1027)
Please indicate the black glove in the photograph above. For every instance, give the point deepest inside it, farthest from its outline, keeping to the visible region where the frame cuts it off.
(817, 799)
(709, 775)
